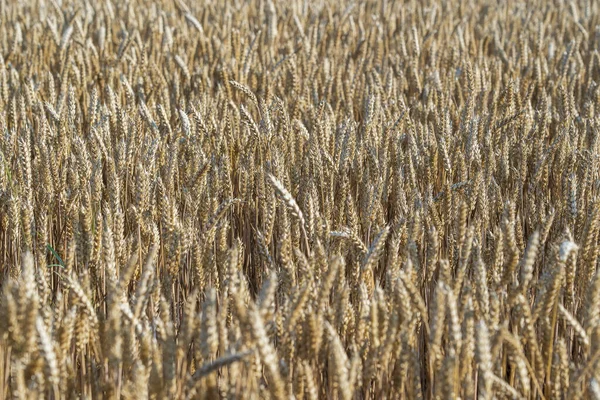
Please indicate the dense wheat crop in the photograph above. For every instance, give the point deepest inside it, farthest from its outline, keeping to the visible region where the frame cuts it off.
(291, 199)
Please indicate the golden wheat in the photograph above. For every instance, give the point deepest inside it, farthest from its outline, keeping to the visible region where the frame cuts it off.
(290, 199)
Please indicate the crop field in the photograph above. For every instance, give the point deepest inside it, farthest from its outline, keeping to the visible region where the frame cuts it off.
(292, 199)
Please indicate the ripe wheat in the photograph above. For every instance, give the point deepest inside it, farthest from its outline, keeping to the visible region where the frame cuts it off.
(292, 199)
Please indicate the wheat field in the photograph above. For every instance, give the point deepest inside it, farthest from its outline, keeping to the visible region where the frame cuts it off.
(291, 199)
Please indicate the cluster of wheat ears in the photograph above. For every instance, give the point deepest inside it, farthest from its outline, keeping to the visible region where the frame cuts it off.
(295, 199)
